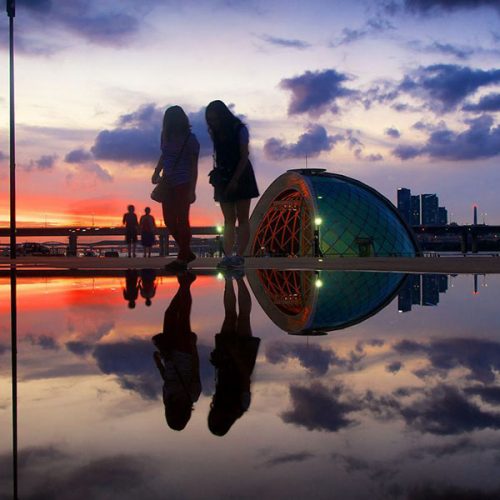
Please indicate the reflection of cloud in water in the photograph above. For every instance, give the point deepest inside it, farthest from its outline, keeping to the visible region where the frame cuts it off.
(49, 473)
(289, 458)
(445, 410)
(481, 357)
(394, 367)
(315, 358)
(319, 408)
(91, 332)
(132, 363)
(43, 341)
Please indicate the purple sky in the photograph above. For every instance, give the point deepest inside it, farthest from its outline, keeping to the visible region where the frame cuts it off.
(394, 93)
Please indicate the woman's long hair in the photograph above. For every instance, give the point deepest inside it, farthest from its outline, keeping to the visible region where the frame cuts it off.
(175, 123)
(228, 121)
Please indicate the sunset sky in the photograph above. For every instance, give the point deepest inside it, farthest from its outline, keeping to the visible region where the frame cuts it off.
(391, 92)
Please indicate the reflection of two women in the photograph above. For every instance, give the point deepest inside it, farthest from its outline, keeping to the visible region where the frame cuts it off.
(177, 357)
(234, 358)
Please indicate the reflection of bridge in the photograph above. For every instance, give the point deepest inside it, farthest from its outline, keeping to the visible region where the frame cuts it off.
(464, 233)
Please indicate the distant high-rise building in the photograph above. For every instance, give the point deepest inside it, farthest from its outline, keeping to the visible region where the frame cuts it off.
(404, 203)
(429, 208)
(442, 216)
(415, 210)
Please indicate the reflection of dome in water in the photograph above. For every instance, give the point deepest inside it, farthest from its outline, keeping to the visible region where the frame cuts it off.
(297, 305)
(356, 220)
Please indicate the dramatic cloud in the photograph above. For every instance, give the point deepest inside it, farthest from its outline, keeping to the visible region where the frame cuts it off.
(444, 410)
(433, 6)
(393, 132)
(319, 408)
(87, 171)
(480, 140)
(372, 27)
(444, 86)
(314, 92)
(446, 49)
(45, 162)
(98, 26)
(285, 42)
(487, 103)
(136, 139)
(311, 144)
(78, 156)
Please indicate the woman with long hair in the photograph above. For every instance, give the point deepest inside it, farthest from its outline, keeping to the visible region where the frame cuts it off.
(233, 178)
(178, 163)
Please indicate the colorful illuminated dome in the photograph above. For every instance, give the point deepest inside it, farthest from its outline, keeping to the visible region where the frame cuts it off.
(313, 212)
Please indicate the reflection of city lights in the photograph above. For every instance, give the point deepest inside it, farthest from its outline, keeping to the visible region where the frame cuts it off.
(318, 283)
(318, 221)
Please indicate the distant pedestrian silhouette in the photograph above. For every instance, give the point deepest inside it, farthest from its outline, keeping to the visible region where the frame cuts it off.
(233, 357)
(147, 226)
(131, 290)
(177, 357)
(179, 165)
(233, 178)
(131, 229)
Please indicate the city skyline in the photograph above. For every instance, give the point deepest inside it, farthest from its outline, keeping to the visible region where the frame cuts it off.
(380, 91)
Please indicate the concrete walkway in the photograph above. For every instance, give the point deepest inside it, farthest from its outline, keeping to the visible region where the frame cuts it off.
(450, 265)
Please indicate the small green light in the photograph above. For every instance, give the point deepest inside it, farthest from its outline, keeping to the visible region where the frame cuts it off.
(318, 221)
(220, 276)
(219, 229)
(318, 283)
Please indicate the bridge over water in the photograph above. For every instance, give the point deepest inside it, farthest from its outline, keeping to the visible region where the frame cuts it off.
(468, 234)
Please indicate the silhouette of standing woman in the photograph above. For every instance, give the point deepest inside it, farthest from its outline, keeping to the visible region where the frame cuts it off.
(233, 178)
(177, 357)
(179, 164)
(234, 359)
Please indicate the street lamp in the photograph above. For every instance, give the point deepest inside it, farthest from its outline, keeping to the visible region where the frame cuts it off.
(220, 229)
(317, 246)
(11, 12)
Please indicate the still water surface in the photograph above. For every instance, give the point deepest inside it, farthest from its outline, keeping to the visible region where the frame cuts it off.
(330, 385)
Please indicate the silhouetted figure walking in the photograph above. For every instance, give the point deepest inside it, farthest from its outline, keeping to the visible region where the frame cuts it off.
(234, 358)
(177, 357)
(233, 178)
(131, 290)
(147, 226)
(131, 229)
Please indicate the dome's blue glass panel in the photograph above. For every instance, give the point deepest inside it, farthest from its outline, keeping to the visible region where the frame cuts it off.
(348, 297)
(357, 221)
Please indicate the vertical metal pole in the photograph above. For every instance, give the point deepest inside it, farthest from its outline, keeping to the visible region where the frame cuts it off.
(11, 12)
(13, 347)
